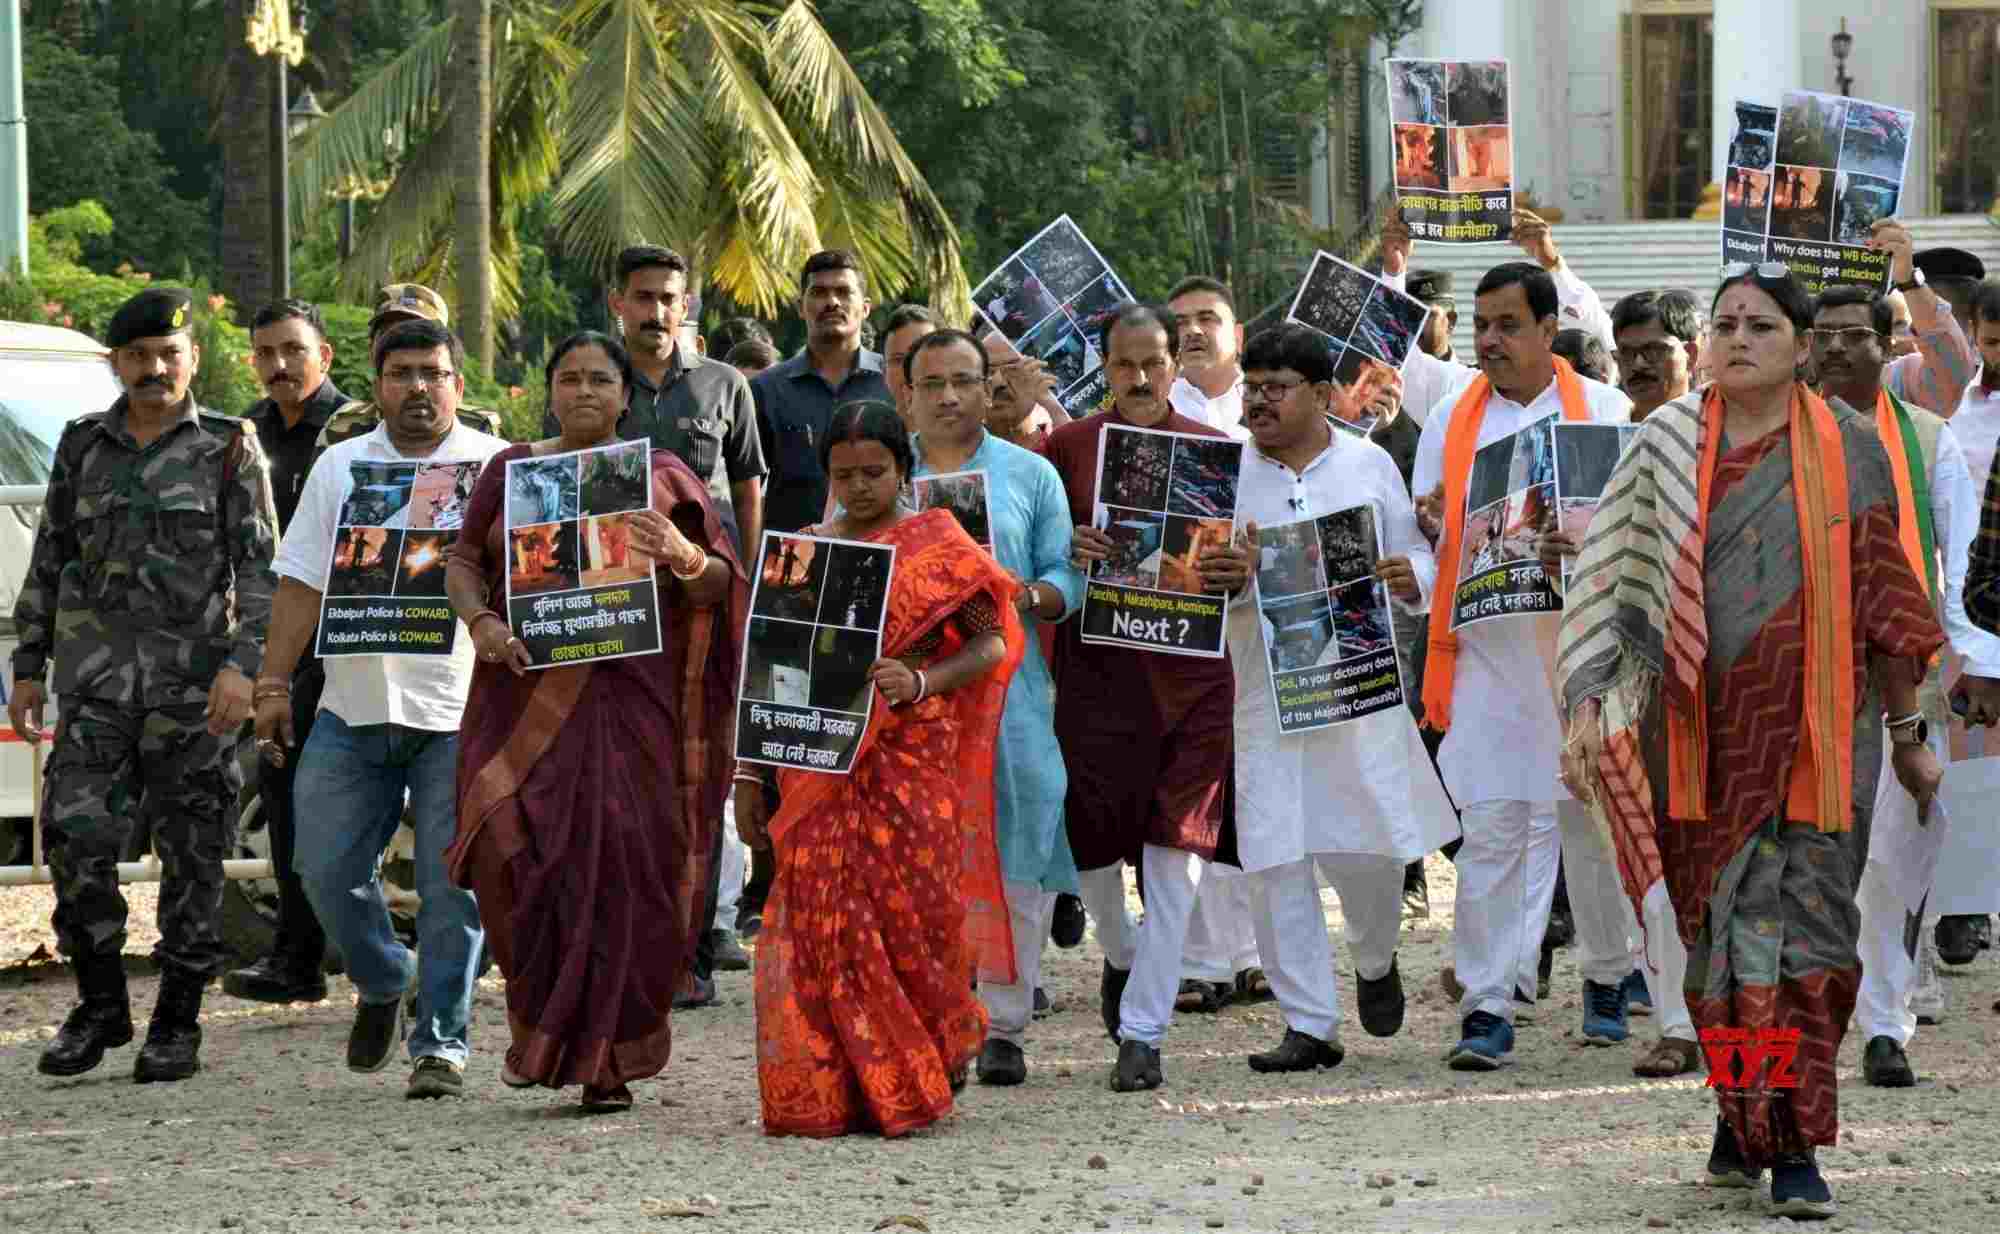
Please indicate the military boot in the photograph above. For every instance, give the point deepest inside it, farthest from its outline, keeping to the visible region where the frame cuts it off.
(173, 1040)
(101, 1021)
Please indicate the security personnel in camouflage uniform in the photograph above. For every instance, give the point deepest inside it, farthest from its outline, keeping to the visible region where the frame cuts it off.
(150, 588)
(398, 303)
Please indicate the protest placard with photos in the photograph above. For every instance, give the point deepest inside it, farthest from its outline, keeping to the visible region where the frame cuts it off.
(1164, 499)
(1510, 500)
(816, 610)
(1367, 323)
(1586, 455)
(576, 588)
(1328, 637)
(1807, 181)
(385, 583)
(1452, 146)
(964, 495)
(1049, 301)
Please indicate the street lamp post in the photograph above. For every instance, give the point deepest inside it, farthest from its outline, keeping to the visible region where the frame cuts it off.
(1843, 45)
(272, 33)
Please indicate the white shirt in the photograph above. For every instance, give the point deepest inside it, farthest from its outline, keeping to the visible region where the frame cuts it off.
(1224, 411)
(1578, 307)
(1427, 379)
(1977, 427)
(1345, 789)
(1955, 522)
(1504, 737)
(421, 692)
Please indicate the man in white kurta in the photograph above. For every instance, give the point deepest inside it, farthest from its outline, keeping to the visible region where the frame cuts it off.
(1334, 802)
(1500, 752)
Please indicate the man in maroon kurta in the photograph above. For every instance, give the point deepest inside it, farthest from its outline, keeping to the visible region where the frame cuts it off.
(1147, 735)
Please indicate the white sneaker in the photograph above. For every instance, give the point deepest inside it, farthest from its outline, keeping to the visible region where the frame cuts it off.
(1928, 1000)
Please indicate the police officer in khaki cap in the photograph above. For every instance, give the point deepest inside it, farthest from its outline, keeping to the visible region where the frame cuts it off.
(398, 303)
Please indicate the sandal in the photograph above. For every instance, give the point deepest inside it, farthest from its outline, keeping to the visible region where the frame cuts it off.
(1670, 1056)
(512, 1078)
(1206, 997)
(606, 1100)
(1252, 986)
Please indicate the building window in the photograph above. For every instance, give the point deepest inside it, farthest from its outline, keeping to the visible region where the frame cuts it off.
(1669, 84)
(1966, 105)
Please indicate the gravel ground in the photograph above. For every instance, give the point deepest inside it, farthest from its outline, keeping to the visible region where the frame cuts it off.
(276, 1135)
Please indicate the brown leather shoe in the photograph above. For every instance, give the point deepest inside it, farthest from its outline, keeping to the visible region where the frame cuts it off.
(1670, 1056)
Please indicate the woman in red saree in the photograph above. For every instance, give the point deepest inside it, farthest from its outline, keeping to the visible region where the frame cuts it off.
(888, 891)
(587, 793)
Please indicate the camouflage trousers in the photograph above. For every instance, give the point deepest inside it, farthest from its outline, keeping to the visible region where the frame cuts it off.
(111, 766)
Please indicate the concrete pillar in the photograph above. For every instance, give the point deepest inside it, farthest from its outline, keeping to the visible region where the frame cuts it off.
(1757, 57)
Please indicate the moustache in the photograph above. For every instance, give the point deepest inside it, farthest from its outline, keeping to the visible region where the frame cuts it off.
(149, 383)
(652, 327)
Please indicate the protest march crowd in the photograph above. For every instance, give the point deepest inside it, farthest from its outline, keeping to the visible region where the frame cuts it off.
(1676, 760)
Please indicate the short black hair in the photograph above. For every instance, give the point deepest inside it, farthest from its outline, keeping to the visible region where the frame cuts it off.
(735, 330)
(648, 257)
(1291, 345)
(944, 338)
(290, 310)
(868, 420)
(620, 358)
(752, 353)
(1138, 313)
(1201, 282)
(1986, 302)
(1675, 311)
(909, 315)
(422, 334)
(833, 259)
(1846, 295)
(1794, 301)
(1534, 282)
(1585, 353)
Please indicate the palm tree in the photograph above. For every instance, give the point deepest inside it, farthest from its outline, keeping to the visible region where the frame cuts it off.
(733, 130)
(471, 127)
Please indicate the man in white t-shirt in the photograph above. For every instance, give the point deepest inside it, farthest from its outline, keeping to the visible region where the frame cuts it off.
(388, 724)
(1210, 388)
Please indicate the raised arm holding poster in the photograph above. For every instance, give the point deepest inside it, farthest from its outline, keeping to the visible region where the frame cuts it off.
(575, 589)
(1048, 301)
(385, 582)
(816, 611)
(1368, 324)
(1453, 148)
(1164, 499)
(1327, 631)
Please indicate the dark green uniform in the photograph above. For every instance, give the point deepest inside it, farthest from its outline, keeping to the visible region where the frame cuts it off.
(151, 572)
(357, 418)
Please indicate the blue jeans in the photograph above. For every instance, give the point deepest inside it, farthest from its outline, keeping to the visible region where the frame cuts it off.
(350, 794)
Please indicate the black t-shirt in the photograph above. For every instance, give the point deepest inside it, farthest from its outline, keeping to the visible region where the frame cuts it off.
(290, 450)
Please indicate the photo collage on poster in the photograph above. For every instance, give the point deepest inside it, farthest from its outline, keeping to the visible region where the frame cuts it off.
(1453, 149)
(1164, 499)
(1808, 180)
(385, 582)
(1586, 455)
(1327, 632)
(577, 590)
(1368, 323)
(1510, 501)
(963, 493)
(816, 612)
(1050, 301)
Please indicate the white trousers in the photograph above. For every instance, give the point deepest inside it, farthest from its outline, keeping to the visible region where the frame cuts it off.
(734, 858)
(1888, 973)
(1011, 1007)
(1221, 937)
(1292, 932)
(1608, 945)
(1152, 951)
(1506, 882)
(1666, 966)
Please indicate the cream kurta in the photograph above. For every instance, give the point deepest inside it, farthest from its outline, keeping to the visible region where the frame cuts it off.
(1349, 788)
(1504, 738)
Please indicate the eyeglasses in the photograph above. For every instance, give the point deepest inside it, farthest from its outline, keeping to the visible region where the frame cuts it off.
(1655, 354)
(1846, 336)
(1270, 391)
(414, 376)
(963, 383)
(1764, 269)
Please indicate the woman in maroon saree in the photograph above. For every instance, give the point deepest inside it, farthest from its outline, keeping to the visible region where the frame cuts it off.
(888, 892)
(588, 793)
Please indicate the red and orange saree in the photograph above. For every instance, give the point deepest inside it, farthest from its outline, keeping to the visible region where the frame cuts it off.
(588, 797)
(888, 892)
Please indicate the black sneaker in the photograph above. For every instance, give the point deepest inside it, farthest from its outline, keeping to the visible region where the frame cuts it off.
(1299, 1052)
(1042, 1004)
(1958, 939)
(1726, 1167)
(1884, 1065)
(1798, 1191)
(729, 954)
(435, 1077)
(1110, 989)
(1066, 925)
(1380, 1002)
(1001, 1063)
(275, 980)
(1138, 1068)
(377, 1031)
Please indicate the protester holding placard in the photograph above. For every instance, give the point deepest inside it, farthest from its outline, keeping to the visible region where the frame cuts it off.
(889, 889)
(1147, 777)
(1732, 605)
(1936, 374)
(1485, 685)
(388, 723)
(587, 791)
(1335, 801)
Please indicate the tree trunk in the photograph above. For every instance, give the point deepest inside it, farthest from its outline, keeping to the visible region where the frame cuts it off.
(246, 168)
(472, 139)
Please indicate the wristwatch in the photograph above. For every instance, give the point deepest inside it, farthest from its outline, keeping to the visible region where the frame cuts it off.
(1916, 280)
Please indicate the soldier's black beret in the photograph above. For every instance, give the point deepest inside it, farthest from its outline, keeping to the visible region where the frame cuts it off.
(153, 312)
(1430, 286)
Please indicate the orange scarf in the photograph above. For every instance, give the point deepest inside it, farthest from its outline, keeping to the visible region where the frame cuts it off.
(1461, 442)
(1819, 494)
(1911, 526)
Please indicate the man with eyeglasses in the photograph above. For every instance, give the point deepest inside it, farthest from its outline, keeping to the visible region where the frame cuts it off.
(1659, 347)
(1850, 343)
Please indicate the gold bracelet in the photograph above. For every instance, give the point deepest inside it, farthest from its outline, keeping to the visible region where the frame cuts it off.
(700, 569)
